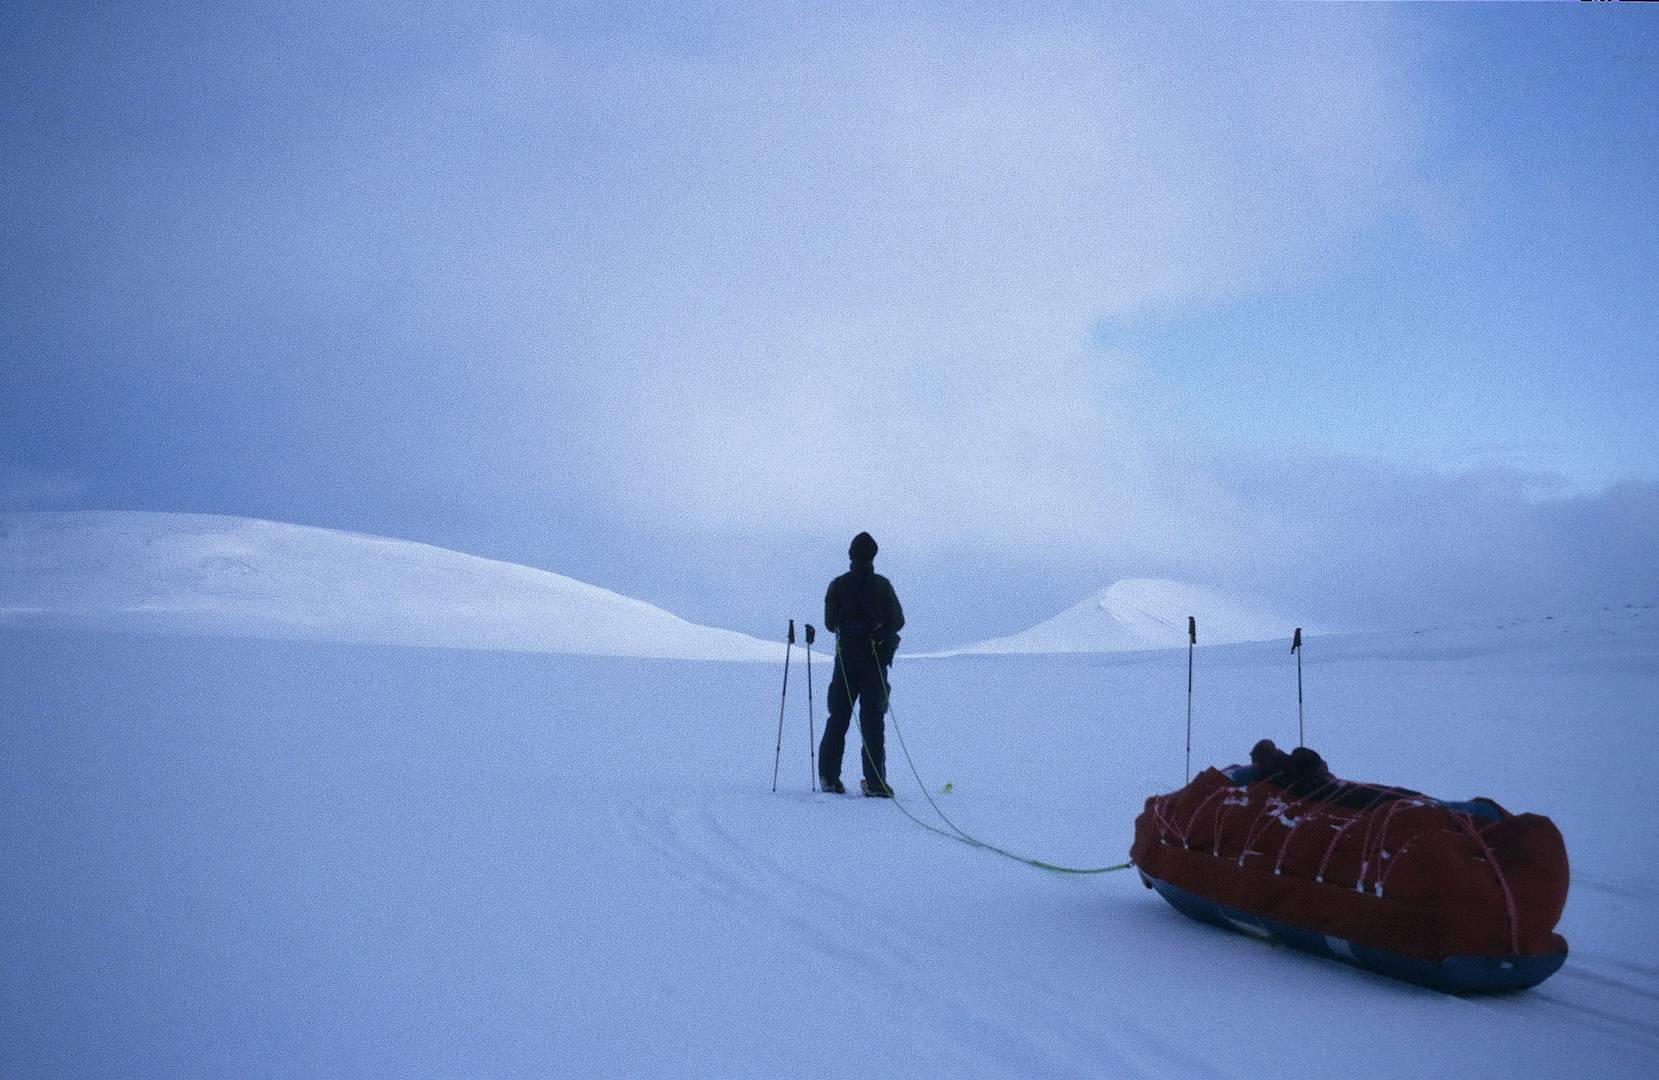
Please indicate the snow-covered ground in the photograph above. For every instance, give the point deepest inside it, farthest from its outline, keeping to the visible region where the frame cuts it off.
(240, 857)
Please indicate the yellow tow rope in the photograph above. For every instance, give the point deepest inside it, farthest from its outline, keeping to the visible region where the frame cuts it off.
(955, 833)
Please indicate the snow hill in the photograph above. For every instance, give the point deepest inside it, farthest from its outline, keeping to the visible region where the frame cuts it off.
(1137, 614)
(241, 577)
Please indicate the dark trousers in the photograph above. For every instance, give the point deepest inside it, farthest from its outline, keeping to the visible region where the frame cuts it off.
(857, 677)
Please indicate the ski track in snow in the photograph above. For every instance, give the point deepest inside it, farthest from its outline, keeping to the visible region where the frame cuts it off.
(1629, 1017)
(872, 951)
(1627, 890)
(1632, 1025)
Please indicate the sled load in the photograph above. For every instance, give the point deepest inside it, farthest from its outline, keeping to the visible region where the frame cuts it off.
(1458, 896)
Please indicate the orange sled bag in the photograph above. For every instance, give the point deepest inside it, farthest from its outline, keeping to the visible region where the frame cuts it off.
(1462, 897)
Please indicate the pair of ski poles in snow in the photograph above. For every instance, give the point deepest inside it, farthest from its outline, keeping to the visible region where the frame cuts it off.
(811, 727)
(1295, 647)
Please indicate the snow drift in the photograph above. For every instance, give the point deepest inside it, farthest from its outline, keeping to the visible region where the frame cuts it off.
(242, 577)
(1141, 613)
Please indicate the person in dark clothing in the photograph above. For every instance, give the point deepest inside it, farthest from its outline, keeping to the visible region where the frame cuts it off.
(863, 612)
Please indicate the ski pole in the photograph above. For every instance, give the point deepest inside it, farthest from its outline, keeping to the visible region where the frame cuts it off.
(811, 733)
(1296, 647)
(1192, 641)
(778, 755)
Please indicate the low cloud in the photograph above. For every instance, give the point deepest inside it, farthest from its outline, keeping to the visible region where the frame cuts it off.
(854, 277)
(618, 302)
(1354, 537)
(25, 487)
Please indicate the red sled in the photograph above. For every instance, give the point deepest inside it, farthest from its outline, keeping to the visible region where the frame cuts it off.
(1458, 896)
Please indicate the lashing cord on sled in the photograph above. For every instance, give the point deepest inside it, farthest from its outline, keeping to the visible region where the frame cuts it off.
(955, 833)
(1311, 806)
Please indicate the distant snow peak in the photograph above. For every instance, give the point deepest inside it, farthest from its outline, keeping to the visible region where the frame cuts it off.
(1142, 613)
(244, 577)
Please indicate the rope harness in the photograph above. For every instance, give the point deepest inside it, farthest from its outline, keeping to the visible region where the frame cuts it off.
(956, 832)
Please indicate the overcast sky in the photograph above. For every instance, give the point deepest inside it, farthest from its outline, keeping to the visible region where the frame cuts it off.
(1351, 308)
